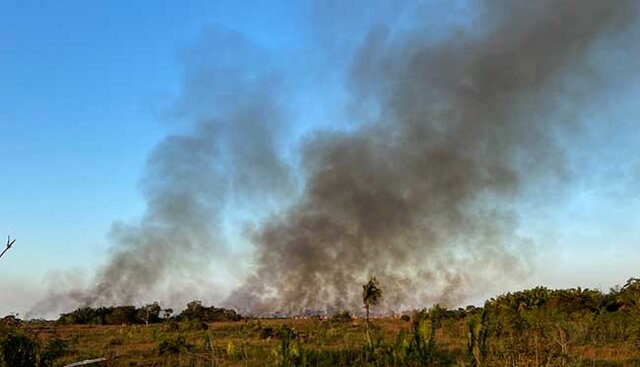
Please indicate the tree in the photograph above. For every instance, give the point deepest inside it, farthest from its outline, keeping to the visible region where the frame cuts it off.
(150, 313)
(371, 296)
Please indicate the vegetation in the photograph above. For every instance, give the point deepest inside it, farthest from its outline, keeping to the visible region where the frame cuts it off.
(147, 314)
(343, 316)
(535, 327)
(371, 296)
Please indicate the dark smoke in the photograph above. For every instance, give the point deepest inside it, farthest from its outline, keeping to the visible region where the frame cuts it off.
(456, 128)
(192, 179)
(420, 196)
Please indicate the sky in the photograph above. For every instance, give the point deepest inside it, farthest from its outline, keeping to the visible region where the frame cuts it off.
(89, 89)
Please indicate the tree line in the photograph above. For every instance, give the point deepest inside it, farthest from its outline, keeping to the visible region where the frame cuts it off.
(148, 314)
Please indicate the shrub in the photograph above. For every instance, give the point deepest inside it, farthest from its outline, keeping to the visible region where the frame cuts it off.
(20, 350)
(171, 325)
(173, 345)
(267, 333)
(55, 348)
(343, 316)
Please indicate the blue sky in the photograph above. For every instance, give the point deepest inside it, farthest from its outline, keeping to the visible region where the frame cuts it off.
(87, 89)
(84, 91)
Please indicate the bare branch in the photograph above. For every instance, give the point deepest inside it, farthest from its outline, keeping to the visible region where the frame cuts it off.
(10, 243)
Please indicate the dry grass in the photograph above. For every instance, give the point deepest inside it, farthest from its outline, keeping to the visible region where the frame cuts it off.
(244, 343)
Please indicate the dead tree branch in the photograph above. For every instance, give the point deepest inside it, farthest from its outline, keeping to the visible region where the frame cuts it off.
(10, 243)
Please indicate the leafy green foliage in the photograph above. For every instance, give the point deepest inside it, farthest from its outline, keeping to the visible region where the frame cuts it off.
(371, 295)
(147, 314)
(53, 349)
(116, 315)
(173, 345)
(195, 311)
(20, 350)
(477, 339)
(371, 292)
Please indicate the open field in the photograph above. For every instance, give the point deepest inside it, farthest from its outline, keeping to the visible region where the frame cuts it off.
(271, 156)
(243, 343)
(537, 327)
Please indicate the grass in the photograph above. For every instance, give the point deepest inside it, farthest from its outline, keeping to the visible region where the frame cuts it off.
(245, 343)
(535, 327)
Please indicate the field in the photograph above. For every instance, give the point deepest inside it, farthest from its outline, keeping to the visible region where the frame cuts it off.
(537, 327)
(245, 343)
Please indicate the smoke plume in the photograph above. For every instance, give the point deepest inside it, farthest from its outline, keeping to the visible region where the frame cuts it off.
(193, 178)
(419, 196)
(419, 193)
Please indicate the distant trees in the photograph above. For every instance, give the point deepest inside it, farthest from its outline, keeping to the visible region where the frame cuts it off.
(629, 295)
(122, 315)
(147, 314)
(195, 311)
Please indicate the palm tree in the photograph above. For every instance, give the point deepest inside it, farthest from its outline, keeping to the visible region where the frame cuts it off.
(371, 296)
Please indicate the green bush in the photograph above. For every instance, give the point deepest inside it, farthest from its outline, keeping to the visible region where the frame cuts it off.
(173, 345)
(20, 350)
(55, 348)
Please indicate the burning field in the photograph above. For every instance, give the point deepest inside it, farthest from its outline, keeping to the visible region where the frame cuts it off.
(445, 133)
(408, 153)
